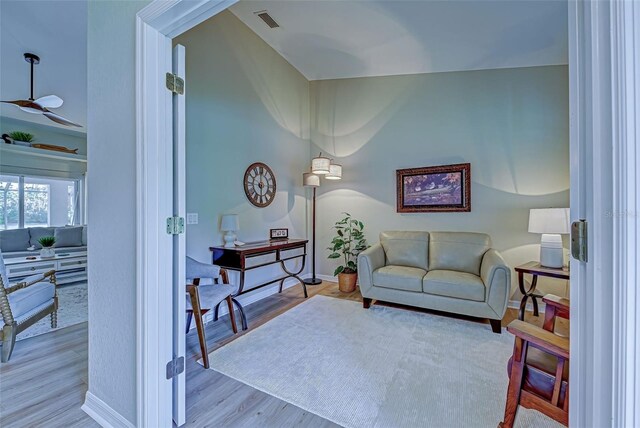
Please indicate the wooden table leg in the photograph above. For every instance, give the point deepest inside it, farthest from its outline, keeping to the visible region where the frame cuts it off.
(523, 302)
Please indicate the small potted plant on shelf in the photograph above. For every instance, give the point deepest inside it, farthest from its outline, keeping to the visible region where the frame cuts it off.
(21, 138)
(47, 250)
(346, 245)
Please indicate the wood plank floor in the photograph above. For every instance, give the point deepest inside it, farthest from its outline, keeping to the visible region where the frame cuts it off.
(44, 383)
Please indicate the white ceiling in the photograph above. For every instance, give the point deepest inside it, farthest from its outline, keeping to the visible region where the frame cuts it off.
(56, 31)
(342, 39)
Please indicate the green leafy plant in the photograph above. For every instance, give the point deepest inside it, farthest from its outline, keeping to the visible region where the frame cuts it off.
(347, 244)
(47, 241)
(21, 136)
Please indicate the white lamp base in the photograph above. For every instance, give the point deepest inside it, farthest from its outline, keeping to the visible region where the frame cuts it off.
(551, 254)
(229, 239)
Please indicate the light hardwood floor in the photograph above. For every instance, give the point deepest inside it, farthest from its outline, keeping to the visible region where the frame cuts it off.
(44, 383)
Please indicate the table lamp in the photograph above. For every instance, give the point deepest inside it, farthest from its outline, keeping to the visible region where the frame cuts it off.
(229, 224)
(551, 223)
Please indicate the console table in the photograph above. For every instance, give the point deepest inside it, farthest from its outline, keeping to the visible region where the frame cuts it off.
(535, 269)
(260, 254)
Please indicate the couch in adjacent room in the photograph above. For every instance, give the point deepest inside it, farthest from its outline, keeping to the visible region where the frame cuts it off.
(454, 272)
(71, 241)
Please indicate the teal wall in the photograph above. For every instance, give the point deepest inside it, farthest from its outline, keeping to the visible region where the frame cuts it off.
(245, 104)
(512, 125)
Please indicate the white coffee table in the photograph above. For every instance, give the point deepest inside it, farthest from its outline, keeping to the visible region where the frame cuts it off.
(69, 267)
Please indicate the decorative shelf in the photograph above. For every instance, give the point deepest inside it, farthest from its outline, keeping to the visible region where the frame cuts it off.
(51, 154)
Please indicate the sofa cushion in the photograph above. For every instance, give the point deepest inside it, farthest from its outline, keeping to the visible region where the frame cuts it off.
(450, 283)
(26, 299)
(68, 236)
(36, 233)
(14, 240)
(399, 278)
(459, 251)
(406, 248)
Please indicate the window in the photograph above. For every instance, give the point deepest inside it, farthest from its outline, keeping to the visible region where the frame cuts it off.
(34, 201)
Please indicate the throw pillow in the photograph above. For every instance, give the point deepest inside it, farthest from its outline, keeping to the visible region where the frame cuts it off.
(38, 232)
(14, 240)
(68, 236)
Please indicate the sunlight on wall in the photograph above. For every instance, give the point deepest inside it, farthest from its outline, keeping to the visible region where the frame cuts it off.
(268, 74)
(511, 124)
(347, 113)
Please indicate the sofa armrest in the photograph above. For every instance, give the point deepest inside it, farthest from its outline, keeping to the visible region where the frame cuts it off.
(368, 261)
(496, 276)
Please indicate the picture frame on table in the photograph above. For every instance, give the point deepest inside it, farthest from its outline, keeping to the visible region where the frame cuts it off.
(444, 188)
(278, 234)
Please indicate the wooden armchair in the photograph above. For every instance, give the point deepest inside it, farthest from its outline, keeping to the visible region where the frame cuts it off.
(23, 304)
(539, 367)
(203, 298)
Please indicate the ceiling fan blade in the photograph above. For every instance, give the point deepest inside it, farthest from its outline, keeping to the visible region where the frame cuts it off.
(59, 119)
(30, 110)
(49, 101)
(26, 104)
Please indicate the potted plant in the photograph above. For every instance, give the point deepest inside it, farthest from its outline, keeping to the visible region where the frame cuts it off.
(21, 138)
(346, 245)
(47, 250)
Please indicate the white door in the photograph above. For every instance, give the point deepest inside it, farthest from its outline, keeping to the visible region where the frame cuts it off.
(179, 244)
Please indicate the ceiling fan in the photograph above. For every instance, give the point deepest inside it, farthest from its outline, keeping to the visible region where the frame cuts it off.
(42, 104)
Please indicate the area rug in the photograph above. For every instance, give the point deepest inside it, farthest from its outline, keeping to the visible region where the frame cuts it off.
(382, 367)
(72, 309)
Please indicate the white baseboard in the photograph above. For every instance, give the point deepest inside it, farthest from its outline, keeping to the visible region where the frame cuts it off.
(250, 298)
(103, 414)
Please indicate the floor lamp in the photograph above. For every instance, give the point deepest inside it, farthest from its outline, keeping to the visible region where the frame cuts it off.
(312, 180)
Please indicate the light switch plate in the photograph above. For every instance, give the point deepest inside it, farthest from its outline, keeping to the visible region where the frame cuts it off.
(192, 218)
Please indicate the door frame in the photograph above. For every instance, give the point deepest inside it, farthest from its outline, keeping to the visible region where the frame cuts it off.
(603, 94)
(156, 25)
(605, 181)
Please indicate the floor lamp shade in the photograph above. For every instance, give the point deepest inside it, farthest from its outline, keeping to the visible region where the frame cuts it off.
(309, 179)
(335, 172)
(320, 165)
(230, 224)
(551, 223)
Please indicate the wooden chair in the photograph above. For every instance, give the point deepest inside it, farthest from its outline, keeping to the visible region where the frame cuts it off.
(203, 298)
(539, 368)
(23, 304)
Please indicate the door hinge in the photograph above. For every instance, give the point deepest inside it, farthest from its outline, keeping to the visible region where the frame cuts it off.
(579, 240)
(175, 367)
(175, 83)
(175, 225)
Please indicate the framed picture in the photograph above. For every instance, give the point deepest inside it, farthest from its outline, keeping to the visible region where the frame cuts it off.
(445, 188)
(282, 233)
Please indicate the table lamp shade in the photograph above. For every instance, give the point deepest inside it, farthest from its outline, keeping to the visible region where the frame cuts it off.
(309, 179)
(549, 220)
(230, 222)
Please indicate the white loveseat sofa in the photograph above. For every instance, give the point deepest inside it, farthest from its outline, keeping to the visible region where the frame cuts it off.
(455, 272)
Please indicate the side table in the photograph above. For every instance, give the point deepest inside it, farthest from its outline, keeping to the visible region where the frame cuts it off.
(535, 269)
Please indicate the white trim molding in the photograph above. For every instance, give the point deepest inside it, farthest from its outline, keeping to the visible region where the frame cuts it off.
(103, 414)
(625, 70)
(156, 25)
(603, 66)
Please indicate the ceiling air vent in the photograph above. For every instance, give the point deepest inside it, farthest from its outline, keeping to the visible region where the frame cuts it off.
(267, 19)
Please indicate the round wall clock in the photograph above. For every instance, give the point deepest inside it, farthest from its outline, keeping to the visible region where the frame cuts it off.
(259, 184)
